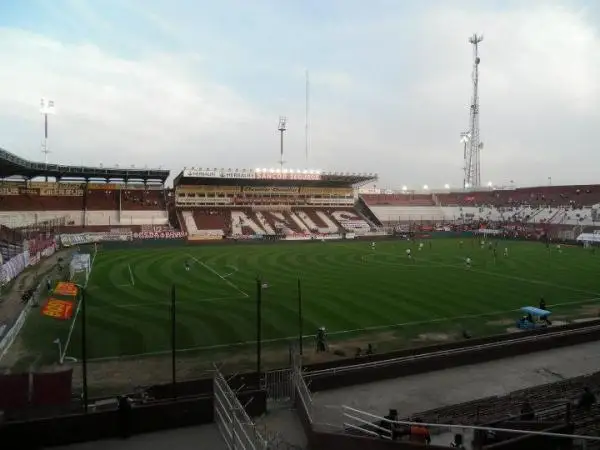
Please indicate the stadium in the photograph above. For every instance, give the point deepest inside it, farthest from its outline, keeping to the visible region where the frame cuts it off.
(287, 283)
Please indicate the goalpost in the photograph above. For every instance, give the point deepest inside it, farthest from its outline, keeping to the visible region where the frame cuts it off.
(80, 267)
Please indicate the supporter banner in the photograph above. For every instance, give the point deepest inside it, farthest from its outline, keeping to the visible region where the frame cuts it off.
(193, 173)
(13, 267)
(204, 189)
(29, 191)
(287, 176)
(326, 191)
(9, 191)
(102, 186)
(58, 309)
(51, 185)
(61, 192)
(68, 240)
(160, 235)
(297, 237)
(350, 235)
(272, 189)
(205, 237)
(66, 289)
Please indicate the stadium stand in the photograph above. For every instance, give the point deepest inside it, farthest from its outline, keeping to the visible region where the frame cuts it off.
(214, 204)
(551, 205)
(127, 197)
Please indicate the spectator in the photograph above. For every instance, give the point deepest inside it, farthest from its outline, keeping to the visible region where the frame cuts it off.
(458, 442)
(124, 416)
(527, 412)
(419, 433)
(587, 399)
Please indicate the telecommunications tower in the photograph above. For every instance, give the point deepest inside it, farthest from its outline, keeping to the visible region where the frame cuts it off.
(282, 128)
(473, 145)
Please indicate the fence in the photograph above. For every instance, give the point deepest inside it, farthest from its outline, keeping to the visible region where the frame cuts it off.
(279, 386)
(235, 426)
(542, 435)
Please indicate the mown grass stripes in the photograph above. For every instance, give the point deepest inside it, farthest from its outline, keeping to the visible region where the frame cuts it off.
(346, 286)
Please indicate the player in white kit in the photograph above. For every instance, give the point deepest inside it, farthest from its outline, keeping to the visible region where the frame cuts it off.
(468, 263)
(408, 253)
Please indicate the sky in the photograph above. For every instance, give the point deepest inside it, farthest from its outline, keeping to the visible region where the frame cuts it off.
(198, 83)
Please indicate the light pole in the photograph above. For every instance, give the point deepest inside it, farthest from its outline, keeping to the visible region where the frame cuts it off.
(282, 127)
(46, 109)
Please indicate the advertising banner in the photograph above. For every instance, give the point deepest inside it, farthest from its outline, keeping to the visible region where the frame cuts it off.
(58, 309)
(66, 289)
(160, 235)
(204, 237)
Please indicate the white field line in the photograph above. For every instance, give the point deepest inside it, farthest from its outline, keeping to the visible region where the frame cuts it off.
(131, 275)
(187, 302)
(341, 332)
(68, 341)
(219, 275)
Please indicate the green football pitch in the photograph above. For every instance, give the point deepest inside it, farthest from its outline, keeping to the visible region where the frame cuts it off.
(347, 287)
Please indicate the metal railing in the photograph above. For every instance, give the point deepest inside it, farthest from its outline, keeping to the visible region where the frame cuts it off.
(376, 426)
(235, 426)
(456, 351)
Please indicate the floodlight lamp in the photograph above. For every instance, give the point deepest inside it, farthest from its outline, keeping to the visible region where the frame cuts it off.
(490, 184)
(404, 188)
(47, 107)
(282, 123)
(446, 186)
(425, 187)
(467, 185)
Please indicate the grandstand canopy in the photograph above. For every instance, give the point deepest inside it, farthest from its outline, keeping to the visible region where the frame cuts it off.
(13, 166)
(253, 177)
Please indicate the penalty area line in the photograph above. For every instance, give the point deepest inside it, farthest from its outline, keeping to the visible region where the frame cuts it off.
(131, 275)
(335, 333)
(206, 266)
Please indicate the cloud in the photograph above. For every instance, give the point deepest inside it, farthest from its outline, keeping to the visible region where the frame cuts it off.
(146, 83)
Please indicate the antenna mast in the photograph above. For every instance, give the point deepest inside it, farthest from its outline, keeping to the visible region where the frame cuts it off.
(282, 128)
(46, 109)
(472, 177)
(306, 118)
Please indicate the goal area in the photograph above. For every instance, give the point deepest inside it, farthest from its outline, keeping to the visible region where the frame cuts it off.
(79, 268)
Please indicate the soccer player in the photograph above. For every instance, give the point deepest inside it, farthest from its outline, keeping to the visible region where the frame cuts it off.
(372, 245)
(187, 266)
(506, 251)
(421, 246)
(408, 253)
(468, 262)
(558, 248)
(460, 244)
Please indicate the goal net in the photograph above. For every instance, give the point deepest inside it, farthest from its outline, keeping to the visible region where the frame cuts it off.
(79, 268)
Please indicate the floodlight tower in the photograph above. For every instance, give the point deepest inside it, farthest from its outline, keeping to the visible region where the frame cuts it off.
(46, 109)
(282, 128)
(472, 176)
